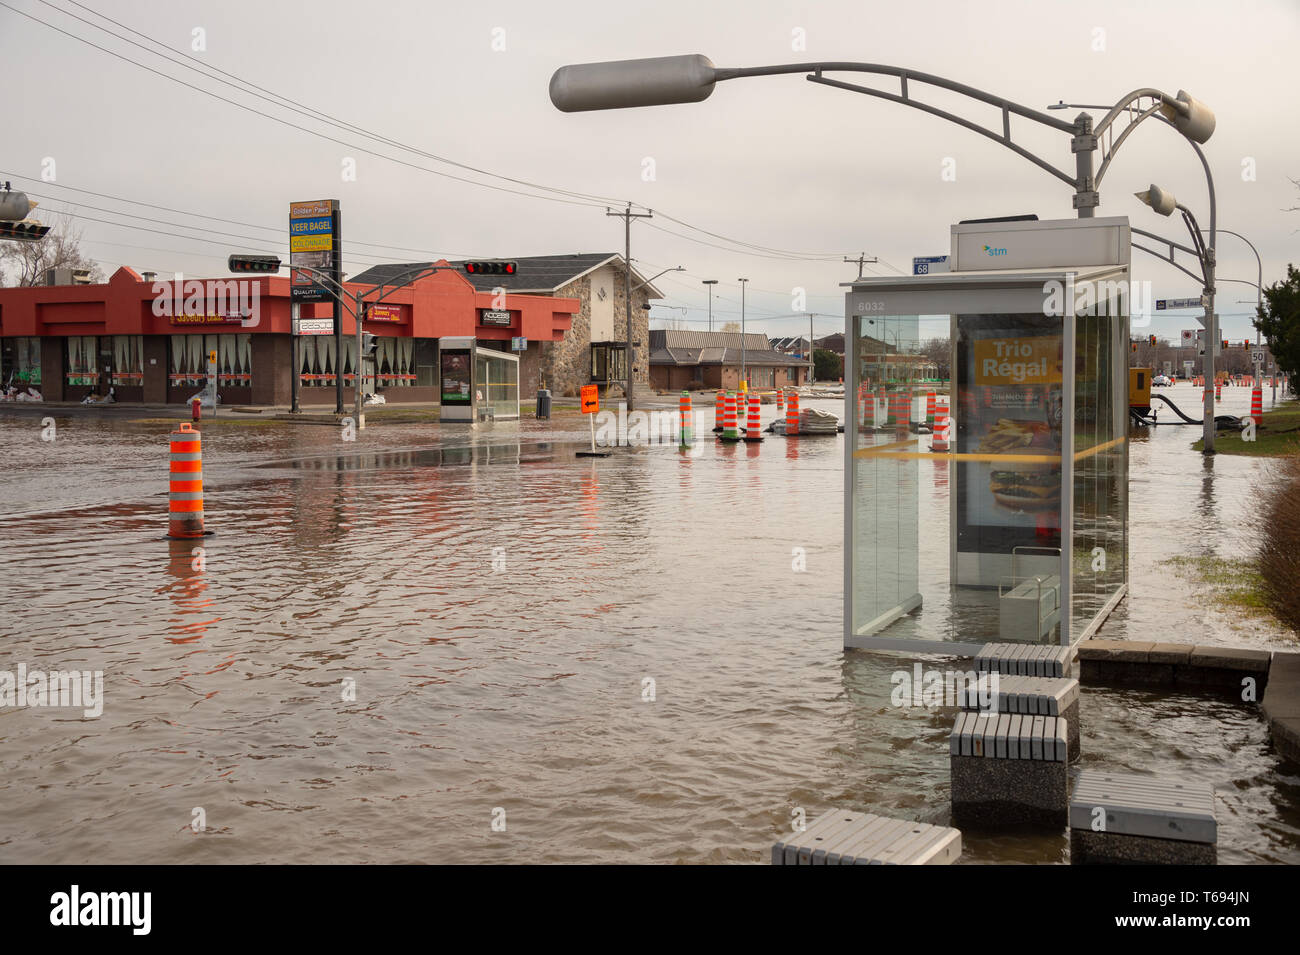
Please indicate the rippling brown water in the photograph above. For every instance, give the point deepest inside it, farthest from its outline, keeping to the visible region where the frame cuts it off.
(520, 687)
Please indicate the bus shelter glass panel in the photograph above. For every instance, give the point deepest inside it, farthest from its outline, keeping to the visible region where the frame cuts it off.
(496, 382)
(957, 540)
(883, 486)
(1100, 506)
(1009, 474)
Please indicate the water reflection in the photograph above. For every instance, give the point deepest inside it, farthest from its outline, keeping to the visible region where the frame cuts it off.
(187, 589)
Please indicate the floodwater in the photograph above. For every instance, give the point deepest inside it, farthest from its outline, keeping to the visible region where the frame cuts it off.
(608, 660)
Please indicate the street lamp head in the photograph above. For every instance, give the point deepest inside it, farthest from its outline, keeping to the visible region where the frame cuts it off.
(1159, 200)
(709, 281)
(1190, 117)
(620, 84)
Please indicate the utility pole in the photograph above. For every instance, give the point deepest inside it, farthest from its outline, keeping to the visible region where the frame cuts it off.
(862, 260)
(810, 338)
(627, 216)
(710, 283)
(743, 356)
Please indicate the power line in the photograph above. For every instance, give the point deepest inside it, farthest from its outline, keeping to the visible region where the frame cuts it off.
(582, 199)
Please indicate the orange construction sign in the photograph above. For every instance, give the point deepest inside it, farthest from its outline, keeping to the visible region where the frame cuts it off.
(590, 399)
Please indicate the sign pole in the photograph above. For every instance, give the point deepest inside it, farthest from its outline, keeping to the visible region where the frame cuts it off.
(589, 404)
(358, 378)
(296, 370)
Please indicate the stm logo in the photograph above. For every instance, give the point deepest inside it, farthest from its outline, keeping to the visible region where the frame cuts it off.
(989, 250)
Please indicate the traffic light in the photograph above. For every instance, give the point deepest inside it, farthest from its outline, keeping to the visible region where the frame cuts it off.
(253, 263)
(369, 346)
(24, 231)
(491, 268)
(1246, 343)
(1133, 346)
(1153, 339)
(1225, 344)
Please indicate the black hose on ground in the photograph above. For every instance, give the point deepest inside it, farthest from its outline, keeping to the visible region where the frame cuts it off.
(1178, 411)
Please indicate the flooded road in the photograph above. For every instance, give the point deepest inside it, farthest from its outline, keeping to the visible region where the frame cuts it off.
(611, 658)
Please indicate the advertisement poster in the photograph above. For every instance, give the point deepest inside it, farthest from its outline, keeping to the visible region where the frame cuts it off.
(1011, 404)
(456, 370)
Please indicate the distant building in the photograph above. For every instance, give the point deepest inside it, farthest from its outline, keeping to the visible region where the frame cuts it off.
(791, 346)
(833, 343)
(593, 349)
(681, 360)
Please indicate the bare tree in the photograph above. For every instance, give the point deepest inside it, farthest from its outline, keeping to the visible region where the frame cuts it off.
(731, 327)
(24, 264)
(939, 351)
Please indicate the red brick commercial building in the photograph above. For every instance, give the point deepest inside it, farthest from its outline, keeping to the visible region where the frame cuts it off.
(149, 341)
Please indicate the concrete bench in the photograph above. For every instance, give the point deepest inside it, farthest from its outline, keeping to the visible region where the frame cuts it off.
(863, 838)
(1032, 696)
(1009, 769)
(1029, 609)
(1025, 659)
(1129, 818)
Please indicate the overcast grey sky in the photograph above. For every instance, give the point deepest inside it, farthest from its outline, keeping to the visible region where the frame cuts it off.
(776, 162)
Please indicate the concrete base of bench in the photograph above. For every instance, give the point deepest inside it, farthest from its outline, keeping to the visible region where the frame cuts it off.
(1130, 817)
(1109, 848)
(1183, 665)
(990, 793)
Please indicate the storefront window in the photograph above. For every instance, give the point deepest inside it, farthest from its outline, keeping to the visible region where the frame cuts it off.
(189, 360)
(83, 360)
(426, 362)
(128, 360)
(394, 361)
(20, 362)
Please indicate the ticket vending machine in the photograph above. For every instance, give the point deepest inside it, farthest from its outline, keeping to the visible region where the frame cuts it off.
(1017, 529)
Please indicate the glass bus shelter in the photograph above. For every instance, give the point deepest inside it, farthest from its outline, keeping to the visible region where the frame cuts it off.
(476, 383)
(1014, 529)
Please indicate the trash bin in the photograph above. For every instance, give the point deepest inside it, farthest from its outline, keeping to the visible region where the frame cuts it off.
(543, 402)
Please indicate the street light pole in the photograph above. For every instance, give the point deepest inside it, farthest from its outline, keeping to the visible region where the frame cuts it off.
(742, 328)
(1259, 298)
(710, 283)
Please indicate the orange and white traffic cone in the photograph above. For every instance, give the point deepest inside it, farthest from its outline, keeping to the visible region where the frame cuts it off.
(185, 488)
(684, 406)
(730, 429)
(1257, 403)
(754, 426)
(719, 403)
(792, 414)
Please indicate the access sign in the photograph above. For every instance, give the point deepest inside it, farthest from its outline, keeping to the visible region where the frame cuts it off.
(590, 399)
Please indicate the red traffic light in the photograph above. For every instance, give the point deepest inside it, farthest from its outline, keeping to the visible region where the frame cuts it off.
(1153, 339)
(253, 263)
(491, 268)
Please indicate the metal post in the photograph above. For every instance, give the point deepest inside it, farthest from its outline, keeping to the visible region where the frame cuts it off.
(743, 356)
(1084, 146)
(337, 274)
(358, 379)
(811, 349)
(1212, 332)
(627, 216)
(627, 294)
(296, 310)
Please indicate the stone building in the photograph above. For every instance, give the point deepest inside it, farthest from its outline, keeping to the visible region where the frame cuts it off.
(594, 348)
